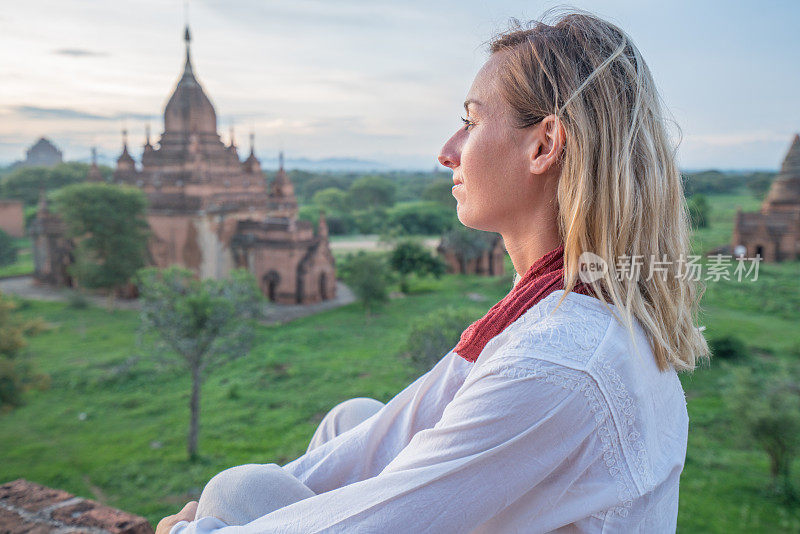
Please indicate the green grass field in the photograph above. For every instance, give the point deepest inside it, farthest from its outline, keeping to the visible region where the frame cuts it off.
(129, 451)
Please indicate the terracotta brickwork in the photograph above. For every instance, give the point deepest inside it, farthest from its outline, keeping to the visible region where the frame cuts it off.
(12, 218)
(774, 232)
(30, 508)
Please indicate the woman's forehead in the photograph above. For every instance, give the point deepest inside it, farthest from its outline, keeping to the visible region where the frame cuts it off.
(484, 91)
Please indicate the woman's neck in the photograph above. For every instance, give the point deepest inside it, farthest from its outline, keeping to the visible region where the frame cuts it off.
(528, 246)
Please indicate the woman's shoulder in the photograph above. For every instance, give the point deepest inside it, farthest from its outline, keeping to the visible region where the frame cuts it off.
(581, 344)
(567, 332)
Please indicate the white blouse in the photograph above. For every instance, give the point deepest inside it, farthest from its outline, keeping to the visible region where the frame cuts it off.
(558, 426)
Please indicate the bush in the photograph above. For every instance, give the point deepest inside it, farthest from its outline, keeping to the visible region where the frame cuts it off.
(8, 250)
(16, 372)
(728, 348)
(368, 275)
(434, 335)
(412, 257)
(77, 301)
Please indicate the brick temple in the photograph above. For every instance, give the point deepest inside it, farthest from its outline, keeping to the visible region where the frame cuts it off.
(43, 153)
(211, 212)
(774, 232)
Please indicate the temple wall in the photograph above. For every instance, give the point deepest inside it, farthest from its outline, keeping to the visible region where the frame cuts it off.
(12, 218)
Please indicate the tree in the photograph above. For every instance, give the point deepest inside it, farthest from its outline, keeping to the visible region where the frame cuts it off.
(434, 335)
(8, 249)
(16, 372)
(467, 244)
(201, 323)
(441, 191)
(422, 218)
(108, 224)
(766, 403)
(368, 276)
(699, 211)
(411, 257)
(332, 199)
(372, 191)
(24, 183)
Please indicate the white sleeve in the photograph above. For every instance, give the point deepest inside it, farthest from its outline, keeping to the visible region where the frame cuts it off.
(363, 452)
(506, 430)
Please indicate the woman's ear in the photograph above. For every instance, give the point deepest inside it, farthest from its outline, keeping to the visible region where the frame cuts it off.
(547, 144)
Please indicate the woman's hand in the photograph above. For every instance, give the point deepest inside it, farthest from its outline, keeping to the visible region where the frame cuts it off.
(186, 514)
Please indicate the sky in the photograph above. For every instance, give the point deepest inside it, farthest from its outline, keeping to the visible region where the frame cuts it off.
(376, 80)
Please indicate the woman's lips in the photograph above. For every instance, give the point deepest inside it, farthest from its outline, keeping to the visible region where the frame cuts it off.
(457, 181)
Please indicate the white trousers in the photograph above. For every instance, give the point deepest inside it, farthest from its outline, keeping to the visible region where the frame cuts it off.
(246, 492)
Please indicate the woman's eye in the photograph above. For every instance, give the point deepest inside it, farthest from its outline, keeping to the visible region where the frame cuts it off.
(467, 123)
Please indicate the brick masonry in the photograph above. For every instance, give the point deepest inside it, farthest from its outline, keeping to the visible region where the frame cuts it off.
(30, 508)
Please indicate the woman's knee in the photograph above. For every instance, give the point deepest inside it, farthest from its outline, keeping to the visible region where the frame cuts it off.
(246, 492)
(343, 417)
(352, 412)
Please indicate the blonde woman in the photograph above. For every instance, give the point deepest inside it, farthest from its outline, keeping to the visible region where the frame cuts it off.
(561, 409)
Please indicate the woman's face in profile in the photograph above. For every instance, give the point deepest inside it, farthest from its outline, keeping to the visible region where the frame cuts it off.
(488, 156)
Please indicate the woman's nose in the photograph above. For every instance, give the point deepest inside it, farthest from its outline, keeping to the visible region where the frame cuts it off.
(449, 155)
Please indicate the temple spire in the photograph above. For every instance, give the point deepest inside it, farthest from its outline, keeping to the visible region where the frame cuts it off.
(280, 159)
(251, 164)
(94, 174)
(147, 135)
(125, 160)
(187, 69)
(322, 225)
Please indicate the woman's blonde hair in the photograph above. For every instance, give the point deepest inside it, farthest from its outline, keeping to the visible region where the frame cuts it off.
(620, 193)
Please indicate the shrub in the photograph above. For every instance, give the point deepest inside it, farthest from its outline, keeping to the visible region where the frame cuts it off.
(368, 275)
(16, 372)
(77, 300)
(728, 348)
(434, 335)
(412, 257)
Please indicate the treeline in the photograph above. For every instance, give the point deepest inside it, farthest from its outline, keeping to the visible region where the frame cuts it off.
(717, 182)
(404, 203)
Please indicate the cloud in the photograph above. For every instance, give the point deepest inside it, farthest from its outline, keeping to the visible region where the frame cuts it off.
(78, 52)
(36, 112)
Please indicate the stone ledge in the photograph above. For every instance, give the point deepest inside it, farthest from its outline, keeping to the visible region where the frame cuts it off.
(30, 508)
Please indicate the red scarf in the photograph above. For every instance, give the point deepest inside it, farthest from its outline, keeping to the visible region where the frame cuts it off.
(544, 276)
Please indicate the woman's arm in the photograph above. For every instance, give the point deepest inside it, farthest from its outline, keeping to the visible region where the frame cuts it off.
(509, 431)
(363, 451)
